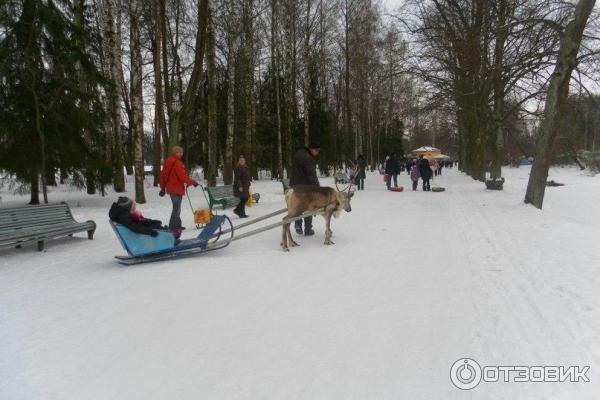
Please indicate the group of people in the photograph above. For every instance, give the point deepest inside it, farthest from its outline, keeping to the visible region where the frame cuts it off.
(420, 168)
(173, 181)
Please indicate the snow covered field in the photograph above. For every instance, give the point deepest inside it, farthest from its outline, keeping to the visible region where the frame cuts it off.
(414, 282)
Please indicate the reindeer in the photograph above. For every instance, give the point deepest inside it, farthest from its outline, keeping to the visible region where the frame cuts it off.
(303, 198)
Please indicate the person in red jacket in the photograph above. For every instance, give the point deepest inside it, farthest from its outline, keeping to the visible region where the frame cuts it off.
(172, 181)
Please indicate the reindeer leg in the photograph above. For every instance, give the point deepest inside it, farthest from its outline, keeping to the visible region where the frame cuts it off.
(284, 229)
(328, 232)
(291, 240)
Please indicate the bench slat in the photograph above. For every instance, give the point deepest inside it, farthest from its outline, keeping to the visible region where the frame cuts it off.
(49, 228)
(25, 232)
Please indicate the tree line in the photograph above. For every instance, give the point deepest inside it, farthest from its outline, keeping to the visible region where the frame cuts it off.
(94, 90)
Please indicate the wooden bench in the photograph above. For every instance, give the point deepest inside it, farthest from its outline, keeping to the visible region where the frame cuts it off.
(21, 226)
(222, 197)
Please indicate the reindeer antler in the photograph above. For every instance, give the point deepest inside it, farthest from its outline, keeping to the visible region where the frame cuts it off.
(341, 190)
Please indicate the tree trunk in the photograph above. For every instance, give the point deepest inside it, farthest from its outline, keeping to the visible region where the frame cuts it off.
(249, 79)
(347, 114)
(35, 190)
(42, 137)
(112, 9)
(555, 102)
(307, 71)
(137, 106)
(275, 74)
(168, 93)
(211, 165)
(179, 119)
(497, 133)
(159, 115)
(291, 103)
(228, 161)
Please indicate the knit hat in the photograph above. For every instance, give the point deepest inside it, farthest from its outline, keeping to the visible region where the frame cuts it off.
(125, 202)
(314, 145)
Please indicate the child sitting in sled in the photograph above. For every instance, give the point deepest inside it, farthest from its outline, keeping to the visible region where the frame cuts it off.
(125, 212)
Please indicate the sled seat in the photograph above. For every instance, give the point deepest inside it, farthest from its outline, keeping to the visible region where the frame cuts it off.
(20, 226)
(222, 197)
(138, 245)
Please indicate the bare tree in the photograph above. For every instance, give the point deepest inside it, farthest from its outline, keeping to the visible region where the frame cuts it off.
(558, 92)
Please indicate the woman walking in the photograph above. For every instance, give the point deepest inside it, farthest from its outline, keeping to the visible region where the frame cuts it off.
(241, 186)
(173, 179)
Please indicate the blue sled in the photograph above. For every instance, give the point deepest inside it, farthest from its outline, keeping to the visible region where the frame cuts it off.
(145, 248)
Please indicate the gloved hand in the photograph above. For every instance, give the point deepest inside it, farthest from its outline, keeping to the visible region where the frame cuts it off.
(161, 193)
(154, 233)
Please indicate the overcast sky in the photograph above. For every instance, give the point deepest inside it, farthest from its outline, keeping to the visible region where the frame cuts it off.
(392, 4)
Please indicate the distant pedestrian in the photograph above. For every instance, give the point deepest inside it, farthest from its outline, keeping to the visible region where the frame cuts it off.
(425, 172)
(173, 180)
(241, 186)
(414, 176)
(361, 174)
(392, 169)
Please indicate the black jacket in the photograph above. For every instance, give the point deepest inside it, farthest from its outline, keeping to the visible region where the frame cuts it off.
(392, 166)
(304, 169)
(241, 180)
(121, 215)
(424, 168)
(361, 168)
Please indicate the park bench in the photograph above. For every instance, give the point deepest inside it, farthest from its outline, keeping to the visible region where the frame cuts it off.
(222, 197)
(34, 224)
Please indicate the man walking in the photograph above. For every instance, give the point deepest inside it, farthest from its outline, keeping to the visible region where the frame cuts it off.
(304, 172)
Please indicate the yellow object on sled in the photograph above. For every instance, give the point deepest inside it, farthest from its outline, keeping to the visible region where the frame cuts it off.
(250, 200)
(202, 216)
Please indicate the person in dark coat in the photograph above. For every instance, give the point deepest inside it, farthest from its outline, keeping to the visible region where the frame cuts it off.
(408, 164)
(361, 174)
(124, 212)
(425, 172)
(304, 172)
(241, 186)
(392, 168)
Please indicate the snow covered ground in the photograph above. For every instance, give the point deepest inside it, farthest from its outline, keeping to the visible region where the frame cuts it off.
(414, 282)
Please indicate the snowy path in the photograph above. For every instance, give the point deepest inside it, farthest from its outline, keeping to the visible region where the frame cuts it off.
(415, 281)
